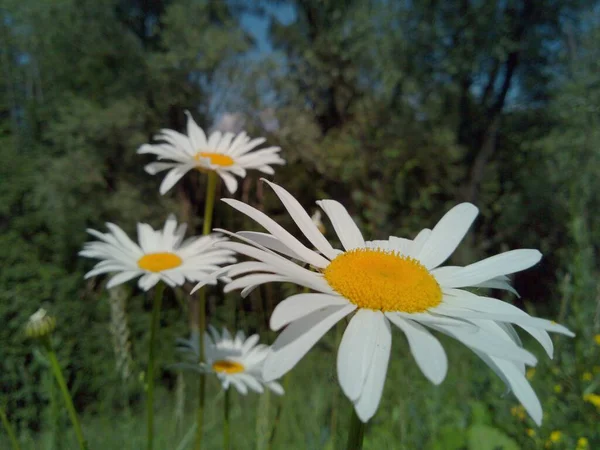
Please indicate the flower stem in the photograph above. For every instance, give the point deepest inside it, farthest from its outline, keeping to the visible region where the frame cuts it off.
(209, 206)
(60, 379)
(9, 430)
(201, 378)
(334, 402)
(356, 432)
(154, 324)
(279, 411)
(226, 403)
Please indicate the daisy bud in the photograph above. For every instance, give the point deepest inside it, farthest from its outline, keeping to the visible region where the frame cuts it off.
(40, 324)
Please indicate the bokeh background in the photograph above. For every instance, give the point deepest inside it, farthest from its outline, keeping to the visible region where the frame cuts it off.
(398, 109)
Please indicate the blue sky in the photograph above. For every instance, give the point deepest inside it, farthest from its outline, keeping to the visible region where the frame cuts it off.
(258, 25)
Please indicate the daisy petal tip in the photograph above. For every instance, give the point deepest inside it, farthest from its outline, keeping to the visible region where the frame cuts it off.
(198, 286)
(439, 378)
(363, 415)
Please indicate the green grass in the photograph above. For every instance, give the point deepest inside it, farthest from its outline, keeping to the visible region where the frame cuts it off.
(467, 408)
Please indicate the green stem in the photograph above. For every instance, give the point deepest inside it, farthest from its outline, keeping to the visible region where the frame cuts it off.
(60, 379)
(154, 324)
(334, 403)
(278, 413)
(202, 377)
(226, 420)
(209, 206)
(356, 432)
(9, 430)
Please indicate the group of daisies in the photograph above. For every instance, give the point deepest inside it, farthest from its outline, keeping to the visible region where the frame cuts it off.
(369, 284)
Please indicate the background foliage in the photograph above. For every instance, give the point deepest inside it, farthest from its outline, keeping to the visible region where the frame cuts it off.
(397, 109)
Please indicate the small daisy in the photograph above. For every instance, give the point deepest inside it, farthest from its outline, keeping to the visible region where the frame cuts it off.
(236, 361)
(160, 255)
(396, 281)
(225, 153)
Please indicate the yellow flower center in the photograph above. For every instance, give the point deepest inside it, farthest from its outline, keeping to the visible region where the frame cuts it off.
(224, 366)
(383, 280)
(216, 159)
(157, 262)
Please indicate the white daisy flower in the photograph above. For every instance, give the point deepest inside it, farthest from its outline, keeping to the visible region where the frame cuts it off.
(160, 255)
(396, 281)
(226, 153)
(236, 361)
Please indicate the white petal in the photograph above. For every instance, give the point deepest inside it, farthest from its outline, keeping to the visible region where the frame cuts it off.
(492, 267)
(251, 382)
(356, 351)
(518, 384)
(282, 266)
(427, 318)
(148, 281)
(489, 343)
(301, 305)
(155, 167)
(280, 233)
(367, 404)
(239, 385)
(230, 181)
(254, 280)
(497, 283)
(243, 268)
(275, 387)
(401, 245)
(419, 242)
(503, 332)
(195, 133)
(299, 337)
(494, 309)
(446, 235)
(425, 348)
(347, 231)
(268, 241)
(303, 220)
(121, 278)
(173, 177)
(250, 342)
(124, 240)
(471, 301)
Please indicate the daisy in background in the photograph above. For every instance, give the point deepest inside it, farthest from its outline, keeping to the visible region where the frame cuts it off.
(383, 282)
(226, 154)
(236, 361)
(160, 255)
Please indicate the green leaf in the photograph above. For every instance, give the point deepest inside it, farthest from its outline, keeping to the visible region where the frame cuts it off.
(485, 437)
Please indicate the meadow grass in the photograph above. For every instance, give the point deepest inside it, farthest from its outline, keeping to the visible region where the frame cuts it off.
(467, 411)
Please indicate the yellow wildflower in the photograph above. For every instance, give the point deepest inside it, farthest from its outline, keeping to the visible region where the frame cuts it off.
(582, 444)
(558, 388)
(555, 436)
(594, 399)
(518, 411)
(530, 432)
(530, 373)
(597, 339)
(587, 376)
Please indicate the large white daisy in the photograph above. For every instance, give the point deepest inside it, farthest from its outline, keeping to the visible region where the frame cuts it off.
(395, 281)
(160, 255)
(236, 361)
(225, 153)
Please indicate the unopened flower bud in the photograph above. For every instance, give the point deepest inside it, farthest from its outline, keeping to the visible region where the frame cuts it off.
(40, 324)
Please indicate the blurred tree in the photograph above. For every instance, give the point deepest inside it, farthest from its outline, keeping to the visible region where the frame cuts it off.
(84, 83)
